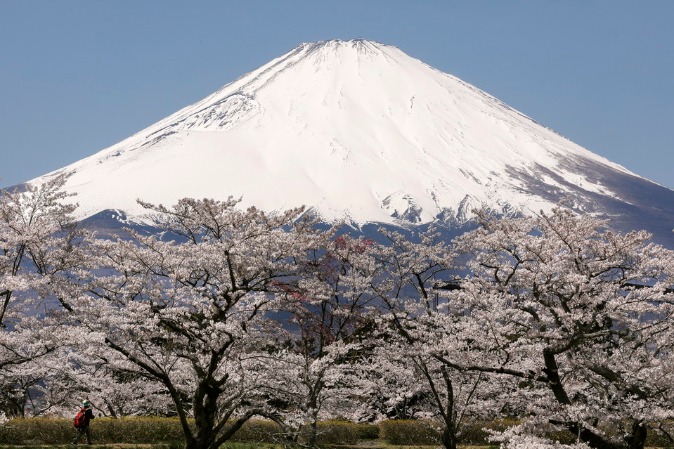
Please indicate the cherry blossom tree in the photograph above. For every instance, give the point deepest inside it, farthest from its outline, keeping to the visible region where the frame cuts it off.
(421, 330)
(75, 373)
(42, 256)
(228, 313)
(580, 316)
(187, 308)
(389, 386)
(40, 243)
(328, 313)
(25, 350)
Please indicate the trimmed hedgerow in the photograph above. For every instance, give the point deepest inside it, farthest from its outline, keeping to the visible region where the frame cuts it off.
(329, 432)
(337, 432)
(36, 431)
(147, 430)
(138, 430)
(151, 430)
(410, 432)
(258, 431)
(367, 431)
(179, 445)
(476, 432)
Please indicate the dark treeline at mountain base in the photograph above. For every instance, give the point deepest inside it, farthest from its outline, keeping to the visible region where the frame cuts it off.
(230, 314)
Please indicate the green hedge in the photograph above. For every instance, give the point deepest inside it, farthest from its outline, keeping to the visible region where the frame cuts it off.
(133, 430)
(337, 432)
(418, 432)
(258, 431)
(367, 431)
(148, 430)
(410, 432)
(37, 431)
(329, 432)
(476, 432)
(137, 430)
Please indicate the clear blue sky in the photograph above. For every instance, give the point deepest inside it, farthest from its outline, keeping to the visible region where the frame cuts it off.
(77, 76)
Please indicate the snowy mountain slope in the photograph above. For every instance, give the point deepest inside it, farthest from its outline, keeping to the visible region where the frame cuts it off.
(354, 129)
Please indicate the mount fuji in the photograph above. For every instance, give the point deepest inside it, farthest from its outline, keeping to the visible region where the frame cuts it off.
(361, 131)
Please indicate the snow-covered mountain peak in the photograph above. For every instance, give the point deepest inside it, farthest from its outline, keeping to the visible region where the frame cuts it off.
(352, 129)
(358, 46)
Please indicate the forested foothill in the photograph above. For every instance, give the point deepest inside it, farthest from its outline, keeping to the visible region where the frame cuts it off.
(553, 323)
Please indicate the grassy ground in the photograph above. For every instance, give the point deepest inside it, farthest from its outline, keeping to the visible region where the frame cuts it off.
(368, 445)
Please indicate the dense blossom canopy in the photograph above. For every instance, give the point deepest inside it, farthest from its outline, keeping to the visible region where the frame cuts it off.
(225, 314)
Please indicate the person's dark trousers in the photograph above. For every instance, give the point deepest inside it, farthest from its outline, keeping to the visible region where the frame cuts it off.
(80, 432)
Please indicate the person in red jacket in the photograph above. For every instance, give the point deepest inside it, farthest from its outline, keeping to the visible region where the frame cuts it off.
(83, 429)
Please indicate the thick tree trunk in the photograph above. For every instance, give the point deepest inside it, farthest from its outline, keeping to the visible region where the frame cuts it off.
(209, 438)
(449, 437)
(637, 439)
(205, 410)
(198, 443)
(204, 435)
(313, 434)
(595, 441)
